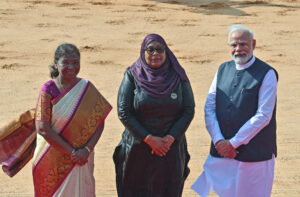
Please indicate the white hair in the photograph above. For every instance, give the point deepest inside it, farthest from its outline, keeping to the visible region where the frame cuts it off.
(241, 28)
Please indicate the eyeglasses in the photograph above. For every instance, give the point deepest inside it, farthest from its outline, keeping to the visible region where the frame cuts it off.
(150, 50)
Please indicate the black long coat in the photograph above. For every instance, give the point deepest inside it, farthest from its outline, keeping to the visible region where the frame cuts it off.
(138, 172)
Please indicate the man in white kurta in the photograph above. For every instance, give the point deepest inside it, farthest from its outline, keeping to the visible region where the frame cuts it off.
(226, 175)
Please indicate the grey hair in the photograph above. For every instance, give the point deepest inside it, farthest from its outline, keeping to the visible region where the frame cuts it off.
(242, 28)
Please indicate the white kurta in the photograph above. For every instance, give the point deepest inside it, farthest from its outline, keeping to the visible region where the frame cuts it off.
(229, 177)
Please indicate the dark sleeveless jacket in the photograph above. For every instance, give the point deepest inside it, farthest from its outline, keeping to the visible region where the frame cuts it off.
(236, 102)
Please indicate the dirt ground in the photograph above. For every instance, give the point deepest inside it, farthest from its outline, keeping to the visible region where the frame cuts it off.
(109, 34)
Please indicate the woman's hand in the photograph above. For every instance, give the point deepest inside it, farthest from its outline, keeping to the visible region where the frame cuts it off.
(80, 156)
(159, 147)
(45, 130)
(168, 140)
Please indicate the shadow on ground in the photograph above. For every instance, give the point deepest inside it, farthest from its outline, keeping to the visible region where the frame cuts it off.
(225, 7)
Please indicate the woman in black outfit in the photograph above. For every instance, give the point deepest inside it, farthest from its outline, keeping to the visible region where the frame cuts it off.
(156, 106)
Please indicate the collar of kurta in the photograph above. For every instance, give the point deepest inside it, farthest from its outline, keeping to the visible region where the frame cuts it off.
(247, 65)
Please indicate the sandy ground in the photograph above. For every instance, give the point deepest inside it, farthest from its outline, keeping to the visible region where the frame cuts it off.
(109, 34)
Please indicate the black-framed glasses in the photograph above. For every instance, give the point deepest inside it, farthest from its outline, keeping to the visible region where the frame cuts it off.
(151, 50)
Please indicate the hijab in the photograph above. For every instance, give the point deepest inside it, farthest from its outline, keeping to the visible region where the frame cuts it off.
(159, 82)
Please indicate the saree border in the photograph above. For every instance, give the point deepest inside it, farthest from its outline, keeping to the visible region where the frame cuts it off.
(62, 94)
(17, 123)
(84, 90)
(67, 174)
(68, 121)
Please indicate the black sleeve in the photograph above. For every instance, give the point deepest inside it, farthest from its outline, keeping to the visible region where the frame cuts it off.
(181, 125)
(125, 107)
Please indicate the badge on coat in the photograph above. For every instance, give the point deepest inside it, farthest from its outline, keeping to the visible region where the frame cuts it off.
(173, 96)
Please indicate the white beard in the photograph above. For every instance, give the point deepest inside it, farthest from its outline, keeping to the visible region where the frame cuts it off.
(241, 60)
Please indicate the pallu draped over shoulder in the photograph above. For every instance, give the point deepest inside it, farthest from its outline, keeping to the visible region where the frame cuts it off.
(75, 115)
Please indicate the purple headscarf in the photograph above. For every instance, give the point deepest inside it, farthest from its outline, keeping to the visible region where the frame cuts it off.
(162, 81)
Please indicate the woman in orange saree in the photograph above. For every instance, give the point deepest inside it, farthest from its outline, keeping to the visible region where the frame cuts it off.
(69, 120)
